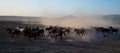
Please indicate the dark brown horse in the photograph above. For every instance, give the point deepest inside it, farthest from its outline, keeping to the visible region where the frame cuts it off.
(31, 33)
(81, 31)
(56, 32)
(114, 30)
(14, 32)
(102, 29)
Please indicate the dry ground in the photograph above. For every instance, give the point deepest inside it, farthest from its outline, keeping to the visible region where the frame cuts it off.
(105, 45)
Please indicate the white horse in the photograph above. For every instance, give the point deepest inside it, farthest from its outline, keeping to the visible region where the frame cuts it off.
(20, 29)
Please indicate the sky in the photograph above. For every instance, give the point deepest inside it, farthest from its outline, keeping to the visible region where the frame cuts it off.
(42, 8)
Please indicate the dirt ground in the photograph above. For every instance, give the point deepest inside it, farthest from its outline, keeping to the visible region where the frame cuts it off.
(105, 45)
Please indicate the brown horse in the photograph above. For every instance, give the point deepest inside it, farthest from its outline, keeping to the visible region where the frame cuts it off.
(14, 32)
(56, 32)
(103, 30)
(114, 30)
(81, 31)
(31, 33)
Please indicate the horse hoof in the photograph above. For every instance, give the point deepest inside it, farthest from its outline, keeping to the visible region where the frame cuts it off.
(12, 40)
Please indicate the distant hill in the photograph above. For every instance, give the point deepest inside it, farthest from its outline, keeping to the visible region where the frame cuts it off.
(109, 18)
(112, 18)
(19, 18)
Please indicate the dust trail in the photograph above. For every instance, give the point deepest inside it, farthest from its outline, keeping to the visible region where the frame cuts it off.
(75, 22)
(78, 22)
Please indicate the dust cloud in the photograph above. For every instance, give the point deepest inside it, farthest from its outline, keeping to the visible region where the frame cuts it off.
(75, 22)
(78, 22)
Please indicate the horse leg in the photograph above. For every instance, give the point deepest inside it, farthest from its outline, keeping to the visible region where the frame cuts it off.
(85, 33)
(12, 37)
(55, 37)
(38, 36)
(17, 36)
(77, 34)
(116, 32)
(82, 34)
(34, 36)
(104, 35)
(65, 34)
(61, 37)
(30, 39)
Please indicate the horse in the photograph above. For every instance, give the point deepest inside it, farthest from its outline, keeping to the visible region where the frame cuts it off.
(113, 30)
(14, 32)
(30, 33)
(56, 32)
(103, 30)
(81, 31)
(40, 33)
(66, 31)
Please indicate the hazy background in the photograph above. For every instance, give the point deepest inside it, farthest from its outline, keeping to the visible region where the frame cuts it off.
(77, 13)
